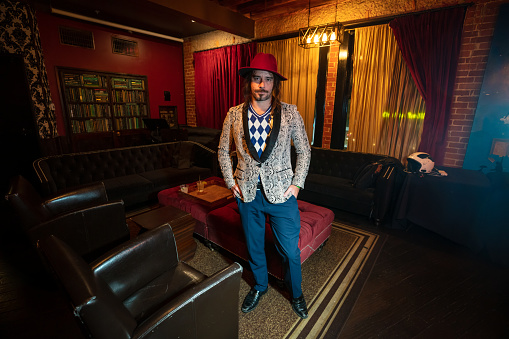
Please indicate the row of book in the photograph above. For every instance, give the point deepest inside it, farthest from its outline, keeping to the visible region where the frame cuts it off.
(95, 80)
(129, 123)
(128, 96)
(86, 80)
(128, 83)
(89, 110)
(78, 94)
(90, 126)
(128, 110)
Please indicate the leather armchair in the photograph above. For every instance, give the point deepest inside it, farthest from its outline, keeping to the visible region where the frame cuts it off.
(141, 290)
(83, 218)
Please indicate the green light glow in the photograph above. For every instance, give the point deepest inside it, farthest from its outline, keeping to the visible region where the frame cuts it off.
(409, 115)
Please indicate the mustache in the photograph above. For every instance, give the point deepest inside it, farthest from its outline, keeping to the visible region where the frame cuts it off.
(261, 91)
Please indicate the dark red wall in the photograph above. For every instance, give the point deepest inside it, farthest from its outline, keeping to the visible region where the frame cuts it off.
(159, 59)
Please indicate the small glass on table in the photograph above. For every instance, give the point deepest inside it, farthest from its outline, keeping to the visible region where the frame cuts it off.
(200, 186)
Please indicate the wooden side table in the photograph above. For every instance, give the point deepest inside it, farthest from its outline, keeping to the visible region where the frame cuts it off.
(182, 224)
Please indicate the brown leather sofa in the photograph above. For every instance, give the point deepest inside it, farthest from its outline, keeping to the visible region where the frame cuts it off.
(134, 174)
(141, 290)
(341, 180)
(84, 217)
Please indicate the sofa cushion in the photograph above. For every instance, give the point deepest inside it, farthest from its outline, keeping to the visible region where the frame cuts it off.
(167, 177)
(184, 159)
(338, 163)
(121, 187)
(337, 187)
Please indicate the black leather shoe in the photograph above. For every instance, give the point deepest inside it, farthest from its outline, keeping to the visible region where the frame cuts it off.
(299, 307)
(251, 300)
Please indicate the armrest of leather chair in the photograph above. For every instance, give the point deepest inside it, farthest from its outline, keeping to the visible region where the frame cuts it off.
(208, 310)
(154, 250)
(89, 231)
(77, 198)
(92, 300)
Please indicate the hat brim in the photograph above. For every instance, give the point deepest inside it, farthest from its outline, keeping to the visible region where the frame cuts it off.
(245, 70)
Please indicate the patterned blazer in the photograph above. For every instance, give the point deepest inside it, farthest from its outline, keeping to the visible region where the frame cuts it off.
(274, 166)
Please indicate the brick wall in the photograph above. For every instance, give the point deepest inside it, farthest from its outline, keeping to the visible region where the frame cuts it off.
(475, 47)
(189, 84)
(330, 94)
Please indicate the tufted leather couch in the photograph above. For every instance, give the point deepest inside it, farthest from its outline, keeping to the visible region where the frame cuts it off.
(133, 174)
(330, 183)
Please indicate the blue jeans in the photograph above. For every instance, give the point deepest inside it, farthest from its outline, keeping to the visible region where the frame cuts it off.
(285, 224)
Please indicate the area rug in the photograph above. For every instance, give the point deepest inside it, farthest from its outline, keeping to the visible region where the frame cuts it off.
(332, 279)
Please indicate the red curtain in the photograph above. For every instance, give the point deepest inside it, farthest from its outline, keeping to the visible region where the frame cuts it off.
(217, 83)
(430, 45)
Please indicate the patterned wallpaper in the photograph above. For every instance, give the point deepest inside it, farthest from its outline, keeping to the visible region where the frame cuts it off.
(19, 34)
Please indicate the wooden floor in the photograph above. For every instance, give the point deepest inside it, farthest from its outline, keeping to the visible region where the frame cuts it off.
(422, 286)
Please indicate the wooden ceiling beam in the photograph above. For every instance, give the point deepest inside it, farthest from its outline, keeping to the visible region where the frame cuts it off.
(211, 14)
(269, 8)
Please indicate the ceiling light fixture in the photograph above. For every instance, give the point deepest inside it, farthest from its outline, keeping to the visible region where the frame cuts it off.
(321, 35)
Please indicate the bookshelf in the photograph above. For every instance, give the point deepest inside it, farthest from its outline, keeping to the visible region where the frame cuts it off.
(169, 113)
(101, 102)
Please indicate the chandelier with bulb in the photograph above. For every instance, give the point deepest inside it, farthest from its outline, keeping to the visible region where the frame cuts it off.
(321, 35)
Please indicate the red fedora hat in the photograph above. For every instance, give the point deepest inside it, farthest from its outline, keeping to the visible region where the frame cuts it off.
(262, 62)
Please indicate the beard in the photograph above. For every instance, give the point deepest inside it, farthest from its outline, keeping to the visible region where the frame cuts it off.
(262, 95)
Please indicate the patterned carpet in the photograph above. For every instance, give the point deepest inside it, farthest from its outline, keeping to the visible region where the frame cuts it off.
(332, 280)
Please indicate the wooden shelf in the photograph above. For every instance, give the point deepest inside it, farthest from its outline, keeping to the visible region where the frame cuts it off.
(118, 99)
(100, 102)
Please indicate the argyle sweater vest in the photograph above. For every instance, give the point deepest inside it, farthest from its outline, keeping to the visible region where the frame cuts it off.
(259, 128)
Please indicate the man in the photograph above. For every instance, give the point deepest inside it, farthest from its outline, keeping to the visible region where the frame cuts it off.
(264, 183)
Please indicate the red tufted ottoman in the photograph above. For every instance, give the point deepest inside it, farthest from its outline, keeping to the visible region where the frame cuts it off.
(225, 230)
(199, 211)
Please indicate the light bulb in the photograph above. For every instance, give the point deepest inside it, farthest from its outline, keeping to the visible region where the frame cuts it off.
(316, 39)
(308, 39)
(324, 37)
(333, 36)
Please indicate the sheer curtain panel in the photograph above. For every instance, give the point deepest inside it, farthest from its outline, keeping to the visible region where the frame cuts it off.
(300, 66)
(387, 110)
(374, 57)
(402, 120)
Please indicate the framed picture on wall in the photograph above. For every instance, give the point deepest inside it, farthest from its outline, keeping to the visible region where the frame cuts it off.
(169, 113)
